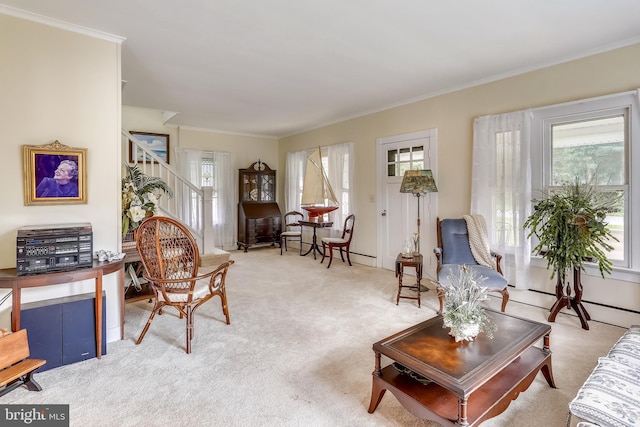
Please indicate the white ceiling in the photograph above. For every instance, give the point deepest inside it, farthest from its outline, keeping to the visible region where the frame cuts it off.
(278, 67)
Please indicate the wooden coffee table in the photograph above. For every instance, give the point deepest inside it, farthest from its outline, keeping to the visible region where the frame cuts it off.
(463, 383)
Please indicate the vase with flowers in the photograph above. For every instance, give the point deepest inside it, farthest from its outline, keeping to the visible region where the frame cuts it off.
(416, 243)
(463, 313)
(140, 195)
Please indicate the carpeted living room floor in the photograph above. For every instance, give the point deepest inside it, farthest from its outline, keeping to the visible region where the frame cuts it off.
(297, 353)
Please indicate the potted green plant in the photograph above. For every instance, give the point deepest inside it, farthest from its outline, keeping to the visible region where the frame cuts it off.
(140, 195)
(571, 228)
(570, 224)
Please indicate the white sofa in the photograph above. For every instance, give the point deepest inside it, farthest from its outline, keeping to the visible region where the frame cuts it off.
(611, 394)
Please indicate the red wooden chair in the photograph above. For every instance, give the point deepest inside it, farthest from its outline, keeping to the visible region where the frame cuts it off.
(331, 243)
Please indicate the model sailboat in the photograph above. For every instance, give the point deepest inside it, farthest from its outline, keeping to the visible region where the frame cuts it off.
(317, 195)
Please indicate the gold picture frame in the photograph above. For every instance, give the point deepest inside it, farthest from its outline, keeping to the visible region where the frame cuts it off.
(54, 174)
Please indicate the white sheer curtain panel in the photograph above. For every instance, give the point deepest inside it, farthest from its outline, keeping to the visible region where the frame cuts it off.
(501, 188)
(293, 180)
(340, 175)
(190, 167)
(225, 203)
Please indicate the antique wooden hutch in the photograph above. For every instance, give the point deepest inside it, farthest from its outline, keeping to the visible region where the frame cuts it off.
(259, 218)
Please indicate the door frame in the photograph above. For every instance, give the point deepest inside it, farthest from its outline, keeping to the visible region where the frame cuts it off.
(381, 168)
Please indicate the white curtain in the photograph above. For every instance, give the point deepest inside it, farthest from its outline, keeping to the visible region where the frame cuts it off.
(340, 174)
(501, 188)
(294, 178)
(190, 165)
(225, 205)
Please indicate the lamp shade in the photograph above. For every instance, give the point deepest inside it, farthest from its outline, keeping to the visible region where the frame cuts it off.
(418, 182)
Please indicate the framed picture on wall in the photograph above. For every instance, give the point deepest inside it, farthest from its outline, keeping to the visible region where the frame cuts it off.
(54, 174)
(158, 143)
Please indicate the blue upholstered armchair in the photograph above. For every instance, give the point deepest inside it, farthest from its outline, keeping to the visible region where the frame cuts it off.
(454, 250)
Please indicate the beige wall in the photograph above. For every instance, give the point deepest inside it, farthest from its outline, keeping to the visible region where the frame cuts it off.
(58, 84)
(245, 149)
(453, 114)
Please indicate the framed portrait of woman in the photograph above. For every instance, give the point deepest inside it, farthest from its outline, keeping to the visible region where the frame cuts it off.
(54, 174)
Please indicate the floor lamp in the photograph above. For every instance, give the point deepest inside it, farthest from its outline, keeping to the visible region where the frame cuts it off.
(418, 183)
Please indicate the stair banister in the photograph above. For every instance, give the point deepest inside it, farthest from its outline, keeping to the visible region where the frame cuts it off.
(188, 204)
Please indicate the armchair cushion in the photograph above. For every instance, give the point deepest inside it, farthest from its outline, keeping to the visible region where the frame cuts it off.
(493, 279)
(456, 239)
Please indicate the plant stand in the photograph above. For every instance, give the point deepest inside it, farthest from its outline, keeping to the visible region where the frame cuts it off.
(564, 299)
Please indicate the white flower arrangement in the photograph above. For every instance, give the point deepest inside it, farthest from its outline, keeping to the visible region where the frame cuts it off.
(140, 195)
(462, 311)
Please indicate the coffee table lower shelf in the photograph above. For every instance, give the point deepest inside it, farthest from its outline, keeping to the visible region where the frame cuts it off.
(431, 401)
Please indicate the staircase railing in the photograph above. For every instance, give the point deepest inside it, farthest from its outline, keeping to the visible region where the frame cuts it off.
(188, 202)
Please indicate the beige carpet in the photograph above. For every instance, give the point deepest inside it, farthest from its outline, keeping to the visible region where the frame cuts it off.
(297, 353)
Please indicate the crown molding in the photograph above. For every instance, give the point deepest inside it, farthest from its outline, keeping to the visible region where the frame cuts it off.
(30, 16)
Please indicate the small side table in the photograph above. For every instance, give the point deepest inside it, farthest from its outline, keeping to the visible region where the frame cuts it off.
(314, 243)
(415, 262)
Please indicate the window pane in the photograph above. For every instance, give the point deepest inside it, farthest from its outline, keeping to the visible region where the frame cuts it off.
(615, 224)
(399, 161)
(207, 172)
(418, 153)
(402, 168)
(591, 151)
(405, 155)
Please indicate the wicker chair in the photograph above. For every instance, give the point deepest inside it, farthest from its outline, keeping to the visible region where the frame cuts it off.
(170, 257)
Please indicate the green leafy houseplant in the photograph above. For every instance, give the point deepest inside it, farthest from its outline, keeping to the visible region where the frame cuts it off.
(570, 227)
(140, 195)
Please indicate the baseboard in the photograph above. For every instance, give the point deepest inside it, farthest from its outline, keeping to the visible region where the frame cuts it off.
(598, 313)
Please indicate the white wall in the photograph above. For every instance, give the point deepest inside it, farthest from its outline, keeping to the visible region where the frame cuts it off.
(61, 85)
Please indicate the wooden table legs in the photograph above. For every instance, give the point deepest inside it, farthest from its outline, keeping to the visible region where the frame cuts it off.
(564, 299)
(415, 262)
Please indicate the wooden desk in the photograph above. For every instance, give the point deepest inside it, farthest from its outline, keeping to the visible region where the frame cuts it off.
(9, 280)
(133, 295)
(314, 242)
(414, 261)
(461, 383)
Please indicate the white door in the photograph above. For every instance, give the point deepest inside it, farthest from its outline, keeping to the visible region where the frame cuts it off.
(398, 212)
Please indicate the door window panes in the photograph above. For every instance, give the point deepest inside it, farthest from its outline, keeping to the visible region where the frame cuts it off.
(403, 159)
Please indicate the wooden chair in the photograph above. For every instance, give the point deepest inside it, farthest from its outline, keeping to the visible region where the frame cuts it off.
(341, 243)
(170, 257)
(16, 368)
(454, 250)
(292, 229)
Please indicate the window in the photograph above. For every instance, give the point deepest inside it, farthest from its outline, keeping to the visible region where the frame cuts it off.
(338, 163)
(590, 142)
(506, 197)
(404, 159)
(207, 179)
(209, 169)
(593, 151)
